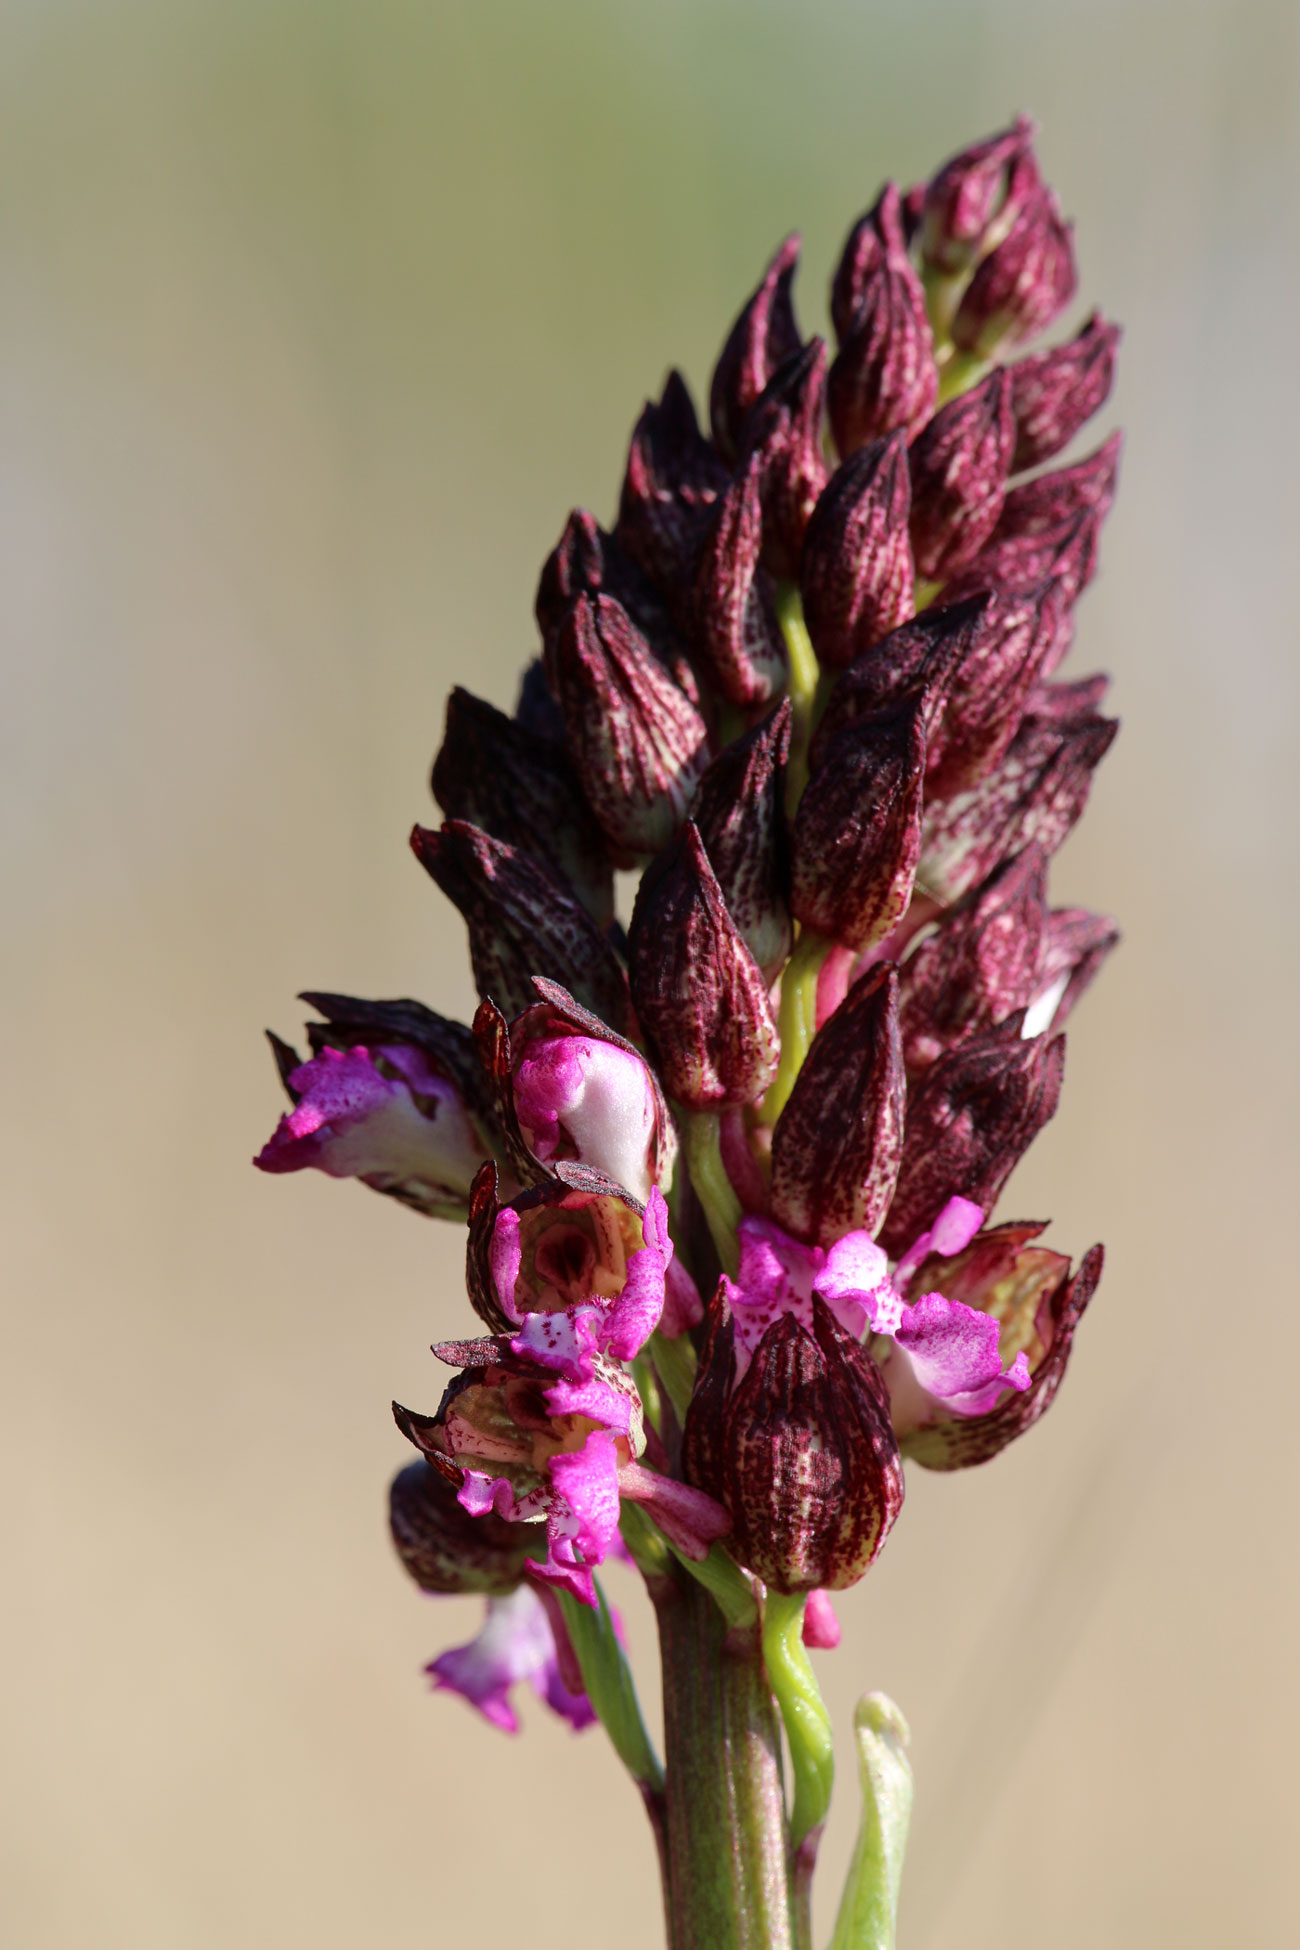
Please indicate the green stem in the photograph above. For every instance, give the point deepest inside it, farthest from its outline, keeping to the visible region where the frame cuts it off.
(675, 1364)
(959, 374)
(807, 1723)
(870, 1903)
(798, 1018)
(713, 1188)
(804, 673)
(727, 1881)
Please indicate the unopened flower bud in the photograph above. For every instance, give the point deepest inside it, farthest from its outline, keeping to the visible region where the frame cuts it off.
(975, 198)
(673, 477)
(969, 1121)
(700, 995)
(920, 655)
(1054, 392)
(959, 467)
(784, 430)
(980, 965)
(1075, 944)
(638, 741)
(799, 1450)
(1037, 1303)
(857, 574)
(1064, 554)
(838, 1142)
(857, 833)
(1018, 638)
(444, 1548)
(762, 338)
(733, 623)
(494, 773)
(1033, 797)
(739, 810)
(523, 921)
(1052, 500)
(1022, 285)
(884, 376)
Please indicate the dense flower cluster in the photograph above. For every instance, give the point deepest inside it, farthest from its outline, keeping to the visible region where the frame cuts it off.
(727, 1175)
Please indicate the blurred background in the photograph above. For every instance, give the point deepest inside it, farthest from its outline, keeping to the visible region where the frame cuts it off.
(317, 317)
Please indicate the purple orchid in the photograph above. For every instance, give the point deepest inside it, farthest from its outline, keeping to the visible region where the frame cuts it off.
(806, 686)
(514, 1643)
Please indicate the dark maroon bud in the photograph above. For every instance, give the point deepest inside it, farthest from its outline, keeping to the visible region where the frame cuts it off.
(734, 629)
(980, 965)
(1051, 501)
(884, 376)
(971, 1118)
(784, 431)
(637, 740)
(911, 210)
(959, 474)
(975, 198)
(493, 773)
(673, 477)
(535, 709)
(739, 811)
(447, 1047)
(287, 1060)
(1023, 284)
(1030, 1291)
(837, 1144)
(587, 559)
(921, 654)
(1054, 392)
(988, 690)
(801, 1451)
(1065, 554)
(523, 921)
(762, 338)
(1033, 797)
(857, 832)
(700, 995)
(1075, 945)
(443, 1547)
(857, 575)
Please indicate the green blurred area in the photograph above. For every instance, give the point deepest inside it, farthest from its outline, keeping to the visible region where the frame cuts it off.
(315, 320)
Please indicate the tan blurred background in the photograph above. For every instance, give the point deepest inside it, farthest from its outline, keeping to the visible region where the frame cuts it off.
(317, 318)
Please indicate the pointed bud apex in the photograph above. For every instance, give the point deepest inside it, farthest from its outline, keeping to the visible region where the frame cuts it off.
(975, 198)
(1064, 554)
(638, 741)
(800, 1452)
(884, 376)
(1051, 501)
(858, 827)
(837, 1143)
(1054, 392)
(857, 574)
(1034, 796)
(784, 430)
(444, 1548)
(740, 814)
(1029, 1291)
(959, 470)
(1019, 636)
(493, 773)
(922, 654)
(523, 921)
(980, 965)
(673, 477)
(586, 559)
(762, 338)
(734, 629)
(700, 995)
(970, 1120)
(1024, 283)
(1075, 945)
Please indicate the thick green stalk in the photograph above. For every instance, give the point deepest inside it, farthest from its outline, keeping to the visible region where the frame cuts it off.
(713, 1188)
(807, 1723)
(804, 674)
(727, 1876)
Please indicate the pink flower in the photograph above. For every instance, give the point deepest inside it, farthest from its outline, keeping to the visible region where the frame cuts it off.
(514, 1643)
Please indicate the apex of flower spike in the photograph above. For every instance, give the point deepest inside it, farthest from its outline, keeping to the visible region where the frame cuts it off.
(1025, 282)
(884, 377)
(975, 198)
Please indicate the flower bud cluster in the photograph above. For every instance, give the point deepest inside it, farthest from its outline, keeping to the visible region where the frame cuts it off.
(805, 686)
